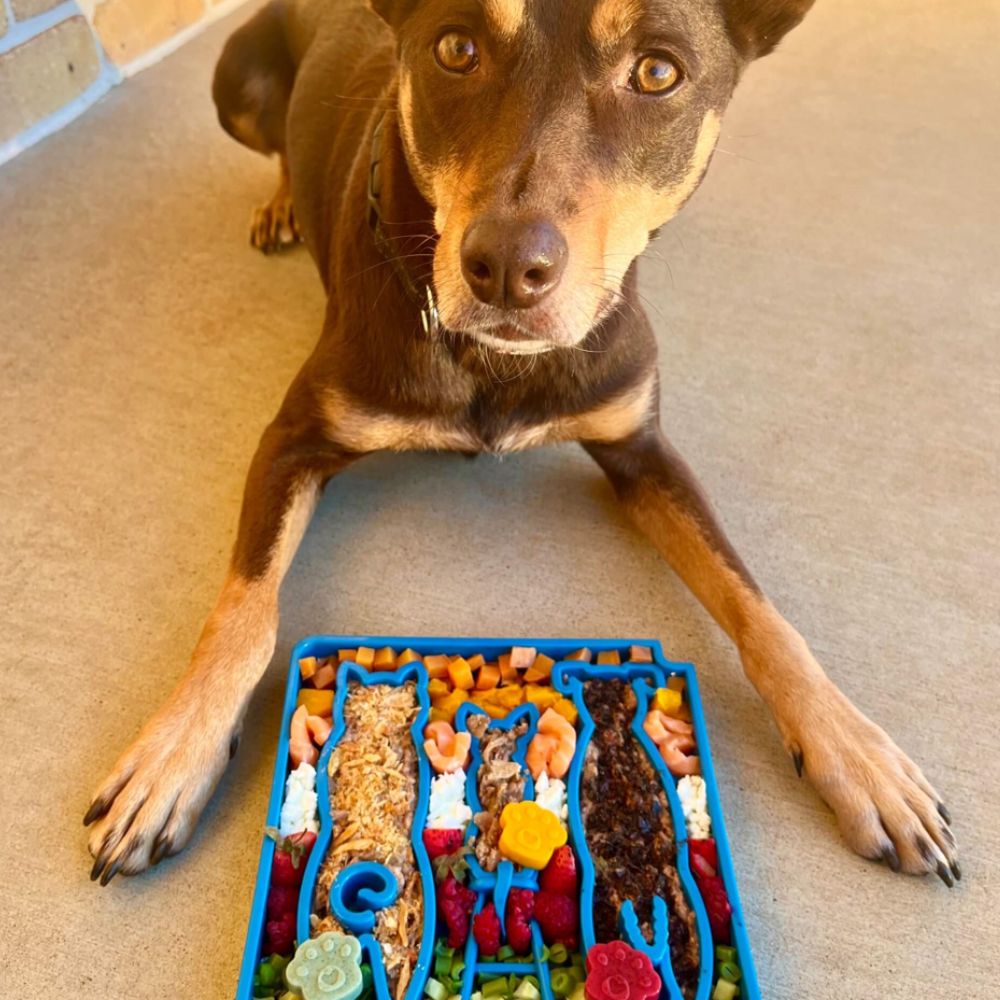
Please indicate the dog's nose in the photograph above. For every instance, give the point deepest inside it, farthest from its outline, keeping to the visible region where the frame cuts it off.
(512, 265)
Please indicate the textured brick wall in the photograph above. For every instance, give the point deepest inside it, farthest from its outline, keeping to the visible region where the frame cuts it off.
(58, 56)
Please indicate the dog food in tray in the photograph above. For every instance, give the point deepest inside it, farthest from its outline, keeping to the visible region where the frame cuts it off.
(484, 819)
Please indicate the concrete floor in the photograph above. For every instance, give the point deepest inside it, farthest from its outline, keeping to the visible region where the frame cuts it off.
(827, 307)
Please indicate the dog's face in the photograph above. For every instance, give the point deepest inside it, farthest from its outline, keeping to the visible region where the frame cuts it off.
(552, 137)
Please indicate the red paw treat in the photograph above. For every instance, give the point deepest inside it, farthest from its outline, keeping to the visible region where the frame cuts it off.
(486, 930)
(279, 935)
(713, 892)
(557, 917)
(456, 903)
(520, 910)
(442, 842)
(559, 875)
(617, 972)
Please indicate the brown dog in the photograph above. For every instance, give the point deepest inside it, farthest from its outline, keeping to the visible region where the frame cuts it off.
(475, 179)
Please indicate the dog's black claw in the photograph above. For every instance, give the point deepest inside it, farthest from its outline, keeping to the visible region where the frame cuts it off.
(943, 810)
(956, 871)
(798, 761)
(95, 872)
(234, 745)
(111, 872)
(891, 858)
(96, 811)
(945, 875)
(159, 851)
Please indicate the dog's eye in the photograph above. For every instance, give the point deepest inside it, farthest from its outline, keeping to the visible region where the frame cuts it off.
(654, 73)
(456, 52)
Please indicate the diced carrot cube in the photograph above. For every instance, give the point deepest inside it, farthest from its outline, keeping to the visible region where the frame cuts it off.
(407, 656)
(307, 667)
(609, 657)
(640, 654)
(461, 674)
(477, 661)
(581, 654)
(522, 657)
(347, 654)
(385, 658)
(365, 657)
(316, 702)
(324, 677)
(489, 677)
(437, 666)
(566, 708)
(508, 673)
(438, 688)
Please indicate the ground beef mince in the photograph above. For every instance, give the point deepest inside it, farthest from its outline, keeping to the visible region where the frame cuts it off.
(629, 830)
(500, 780)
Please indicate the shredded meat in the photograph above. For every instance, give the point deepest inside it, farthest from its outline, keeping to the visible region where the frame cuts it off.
(629, 830)
(500, 780)
(373, 791)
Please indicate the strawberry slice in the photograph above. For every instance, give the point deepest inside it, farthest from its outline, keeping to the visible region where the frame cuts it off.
(442, 842)
(559, 875)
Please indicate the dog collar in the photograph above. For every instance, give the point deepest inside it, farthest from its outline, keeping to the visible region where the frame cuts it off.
(422, 298)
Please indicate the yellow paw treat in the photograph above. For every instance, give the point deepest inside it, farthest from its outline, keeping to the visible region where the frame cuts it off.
(530, 834)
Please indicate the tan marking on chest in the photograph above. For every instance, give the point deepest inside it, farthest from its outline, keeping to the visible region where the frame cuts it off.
(360, 429)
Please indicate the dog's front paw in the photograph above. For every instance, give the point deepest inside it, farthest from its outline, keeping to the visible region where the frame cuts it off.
(272, 226)
(148, 806)
(886, 808)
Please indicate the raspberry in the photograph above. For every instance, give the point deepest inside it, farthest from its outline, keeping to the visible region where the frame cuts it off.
(281, 899)
(713, 892)
(456, 902)
(486, 930)
(442, 842)
(279, 935)
(557, 917)
(520, 910)
(559, 875)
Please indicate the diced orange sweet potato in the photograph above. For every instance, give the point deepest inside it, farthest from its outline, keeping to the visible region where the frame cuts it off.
(347, 654)
(566, 708)
(508, 673)
(438, 688)
(489, 705)
(385, 658)
(365, 657)
(522, 657)
(675, 682)
(461, 674)
(316, 702)
(477, 661)
(437, 666)
(583, 655)
(324, 677)
(489, 677)
(540, 670)
(511, 696)
(449, 705)
(640, 654)
(407, 656)
(307, 667)
(609, 657)
(541, 697)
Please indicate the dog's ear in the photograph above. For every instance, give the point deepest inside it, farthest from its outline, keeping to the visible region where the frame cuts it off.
(393, 12)
(756, 26)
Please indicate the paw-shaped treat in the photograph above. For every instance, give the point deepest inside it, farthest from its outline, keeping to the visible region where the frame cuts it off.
(327, 968)
(617, 972)
(530, 834)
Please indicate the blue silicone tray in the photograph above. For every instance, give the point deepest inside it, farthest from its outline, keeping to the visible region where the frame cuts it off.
(364, 887)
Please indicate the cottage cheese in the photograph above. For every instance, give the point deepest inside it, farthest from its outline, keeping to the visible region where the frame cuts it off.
(694, 800)
(550, 793)
(298, 811)
(448, 809)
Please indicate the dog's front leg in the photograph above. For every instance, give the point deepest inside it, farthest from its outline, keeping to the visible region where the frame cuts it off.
(148, 806)
(885, 807)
